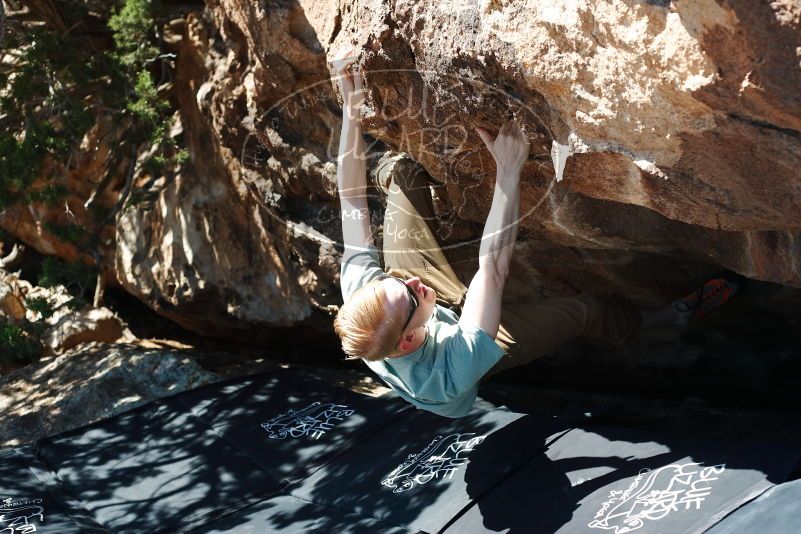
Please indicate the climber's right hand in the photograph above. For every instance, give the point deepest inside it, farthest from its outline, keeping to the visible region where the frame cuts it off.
(350, 78)
(510, 149)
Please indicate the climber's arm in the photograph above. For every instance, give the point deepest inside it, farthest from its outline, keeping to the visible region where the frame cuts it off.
(351, 166)
(482, 306)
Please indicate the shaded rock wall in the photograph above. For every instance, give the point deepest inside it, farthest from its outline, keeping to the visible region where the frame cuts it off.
(230, 247)
(682, 122)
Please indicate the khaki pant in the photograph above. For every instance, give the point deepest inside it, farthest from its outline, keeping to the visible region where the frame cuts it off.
(529, 330)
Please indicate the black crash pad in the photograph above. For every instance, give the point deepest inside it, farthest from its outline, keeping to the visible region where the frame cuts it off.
(424, 469)
(777, 511)
(286, 452)
(288, 515)
(154, 469)
(611, 480)
(29, 499)
(288, 423)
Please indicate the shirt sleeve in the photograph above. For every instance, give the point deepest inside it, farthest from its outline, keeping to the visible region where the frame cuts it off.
(358, 268)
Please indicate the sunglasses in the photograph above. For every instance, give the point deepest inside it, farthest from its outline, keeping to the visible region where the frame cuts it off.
(412, 298)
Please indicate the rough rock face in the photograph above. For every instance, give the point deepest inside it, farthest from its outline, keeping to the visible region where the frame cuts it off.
(677, 126)
(683, 118)
(681, 121)
(91, 382)
(214, 252)
(96, 324)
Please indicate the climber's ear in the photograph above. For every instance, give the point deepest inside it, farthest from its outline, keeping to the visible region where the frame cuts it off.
(406, 342)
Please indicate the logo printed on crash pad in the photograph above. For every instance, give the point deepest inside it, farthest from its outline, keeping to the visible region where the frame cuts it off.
(313, 421)
(16, 516)
(440, 458)
(655, 494)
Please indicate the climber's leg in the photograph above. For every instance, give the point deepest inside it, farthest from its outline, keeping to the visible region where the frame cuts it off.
(410, 247)
(530, 331)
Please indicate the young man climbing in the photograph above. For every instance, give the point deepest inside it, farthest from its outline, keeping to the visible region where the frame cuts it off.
(429, 337)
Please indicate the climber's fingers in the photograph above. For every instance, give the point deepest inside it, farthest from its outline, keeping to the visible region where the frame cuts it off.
(486, 137)
(345, 59)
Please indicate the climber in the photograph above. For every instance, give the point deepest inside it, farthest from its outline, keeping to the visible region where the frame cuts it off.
(429, 337)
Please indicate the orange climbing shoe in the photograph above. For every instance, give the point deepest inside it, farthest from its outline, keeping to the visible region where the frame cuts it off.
(712, 294)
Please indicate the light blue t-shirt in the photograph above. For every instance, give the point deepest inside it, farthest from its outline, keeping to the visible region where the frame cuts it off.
(442, 375)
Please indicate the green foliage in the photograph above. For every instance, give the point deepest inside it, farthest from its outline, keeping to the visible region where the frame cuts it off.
(76, 303)
(77, 277)
(18, 346)
(42, 117)
(147, 106)
(20, 343)
(70, 233)
(134, 52)
(21, 161)
(159, 162)
(53, 92)
(40, 305)
(134, 34)
(181, 156)
(77, 119)
(51, 195)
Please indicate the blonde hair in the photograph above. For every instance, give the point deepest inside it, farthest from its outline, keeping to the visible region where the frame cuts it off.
(363, 326)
